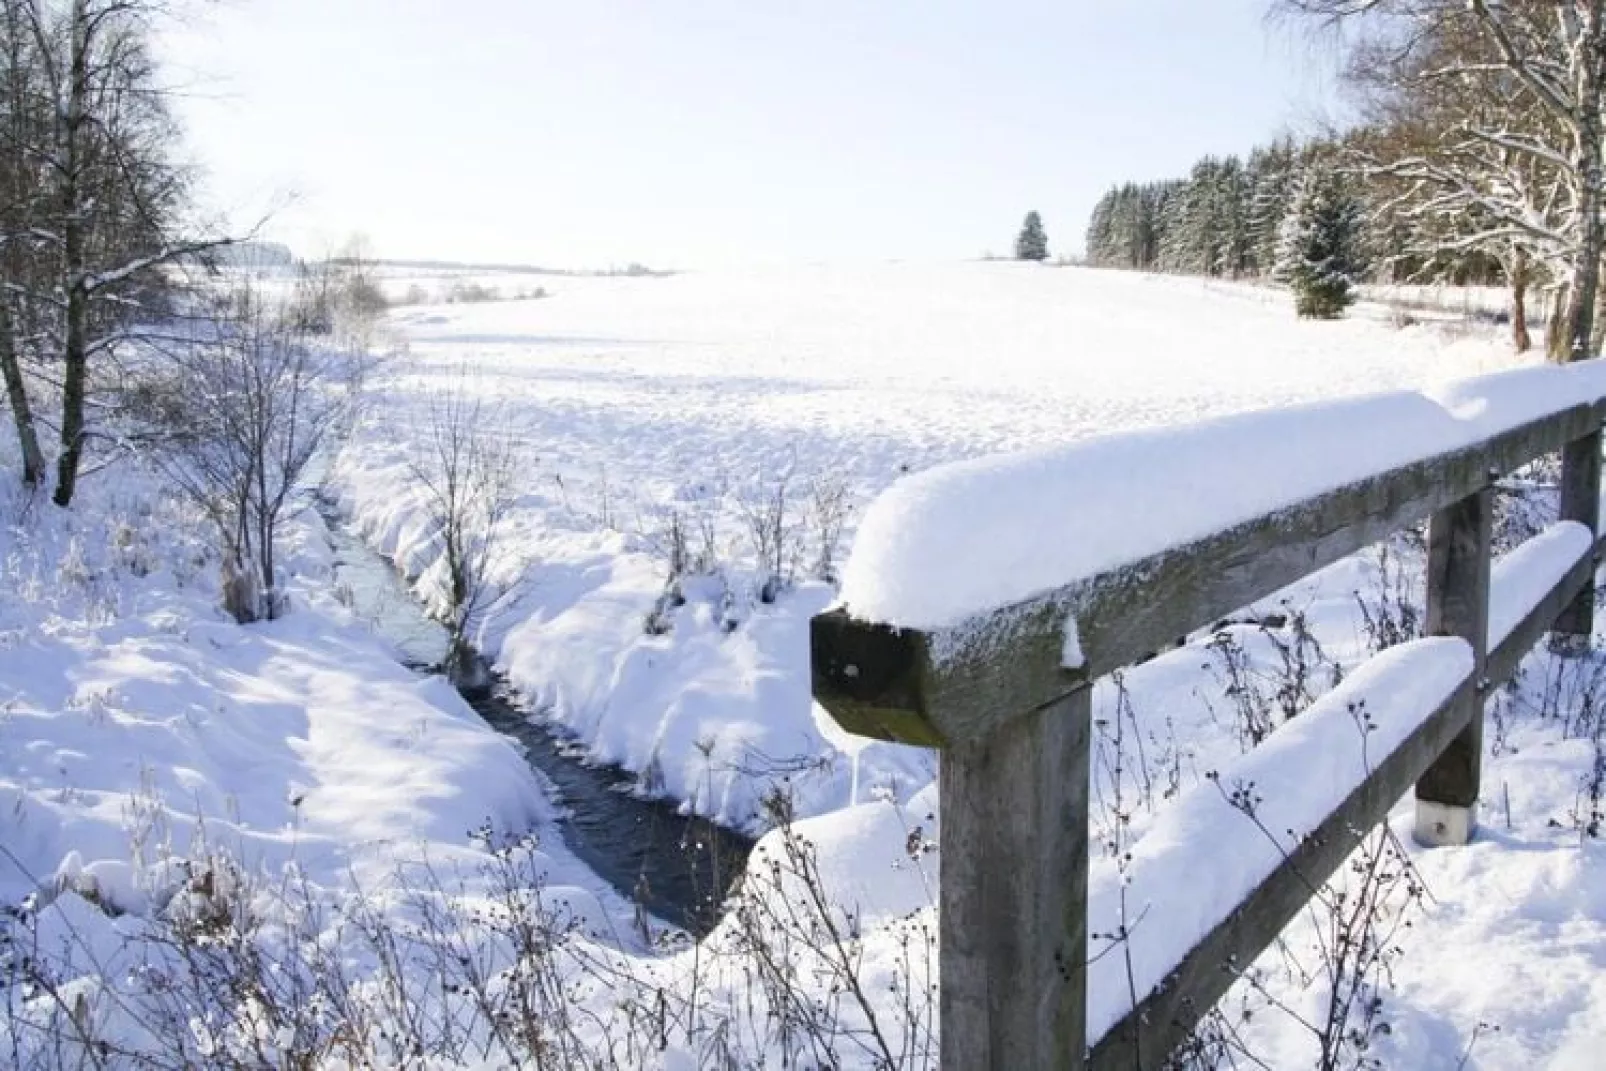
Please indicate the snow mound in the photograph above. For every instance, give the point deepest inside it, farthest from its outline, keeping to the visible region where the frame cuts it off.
(1523, 577)
(964, 538)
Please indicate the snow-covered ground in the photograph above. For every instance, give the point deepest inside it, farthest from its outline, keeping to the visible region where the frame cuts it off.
(126, 688)
(132, 714)
(149, 746)
(696, 396)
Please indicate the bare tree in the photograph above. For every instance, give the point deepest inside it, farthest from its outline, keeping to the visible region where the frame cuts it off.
(21, 184)
(239, 412)
(467, 463)
(33, 458)
(340, 297)
(86, 138)
(1500, 103)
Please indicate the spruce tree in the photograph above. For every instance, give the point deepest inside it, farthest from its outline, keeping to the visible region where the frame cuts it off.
(1271, 179)
(1101, 239)
(1232, 217)
(1318, 245)
(1033, 242)
(1171, 248)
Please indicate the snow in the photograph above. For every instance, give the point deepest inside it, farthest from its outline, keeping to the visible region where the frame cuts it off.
(138, 726)
(638, 397)
(1176, 891)
(1520, 579)
(1487, 301)
(974, 536)
(141, 728)
(1490, 404)
(1071, 656)
(695, 392)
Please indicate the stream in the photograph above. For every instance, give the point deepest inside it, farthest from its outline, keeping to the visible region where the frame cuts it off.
(678, 867)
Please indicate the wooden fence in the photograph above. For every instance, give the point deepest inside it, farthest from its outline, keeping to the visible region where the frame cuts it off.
(1013, 727)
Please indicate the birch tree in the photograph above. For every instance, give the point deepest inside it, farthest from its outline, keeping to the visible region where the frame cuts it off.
(22, 121)
(1501, 101)
(89, 137)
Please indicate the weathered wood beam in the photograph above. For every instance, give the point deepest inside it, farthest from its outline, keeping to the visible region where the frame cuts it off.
(872, 678)
(1167, 1015)
(1161, 1021)
(1013, 911)
(1459, 554)
(1580, 501)
(1507, 655)
(961, 683)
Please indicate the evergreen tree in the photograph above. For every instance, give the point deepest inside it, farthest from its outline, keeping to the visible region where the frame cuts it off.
(1225, 219)
(1271, 176)
(1231, 212)
(1318, 245)
(1199, 245)
(1033, 242)
(1172, 251)
(1101, 229)
(1144, 233)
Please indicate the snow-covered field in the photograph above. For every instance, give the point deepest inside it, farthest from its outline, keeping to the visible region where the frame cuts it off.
(133, 717)
(697, 398)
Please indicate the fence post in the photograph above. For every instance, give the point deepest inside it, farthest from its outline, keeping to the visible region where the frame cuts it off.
(1014, 893)
(1580, 501)
(1458, 605)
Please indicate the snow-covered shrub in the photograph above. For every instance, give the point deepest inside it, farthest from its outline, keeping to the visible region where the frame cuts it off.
(470, 292)
(469, 467)
(1329, 977)
(1392, 611)
(1354, 923)
(338, 299)
(237, 410)
(238, 969)
(830, 504)
(767, 512)
(1264, 692)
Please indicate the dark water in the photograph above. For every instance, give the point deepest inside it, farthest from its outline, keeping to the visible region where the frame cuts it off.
(679, 868)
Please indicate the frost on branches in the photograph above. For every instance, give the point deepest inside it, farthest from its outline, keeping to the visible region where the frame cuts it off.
(1318, 246)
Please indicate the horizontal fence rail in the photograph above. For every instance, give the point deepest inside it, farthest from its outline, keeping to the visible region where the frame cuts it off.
(1013, 727)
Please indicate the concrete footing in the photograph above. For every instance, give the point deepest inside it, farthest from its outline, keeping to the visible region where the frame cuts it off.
(1440, 825)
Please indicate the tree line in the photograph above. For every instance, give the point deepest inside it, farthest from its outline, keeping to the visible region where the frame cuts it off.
(1221, 220)
(1478, 159)
(1287, 213)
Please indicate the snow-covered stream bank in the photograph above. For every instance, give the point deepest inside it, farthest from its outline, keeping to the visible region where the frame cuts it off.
(679, 867)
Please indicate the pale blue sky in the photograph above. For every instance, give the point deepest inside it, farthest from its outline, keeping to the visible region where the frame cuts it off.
(696, 132)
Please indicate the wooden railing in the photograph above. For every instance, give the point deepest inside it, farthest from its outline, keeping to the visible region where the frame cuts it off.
(1013, 726)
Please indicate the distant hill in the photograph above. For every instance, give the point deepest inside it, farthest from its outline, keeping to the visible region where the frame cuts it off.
(254, 255)
(520, 269)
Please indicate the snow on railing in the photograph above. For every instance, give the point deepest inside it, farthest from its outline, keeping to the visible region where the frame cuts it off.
(1201, 858)
(966, 538)
(983, 598)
